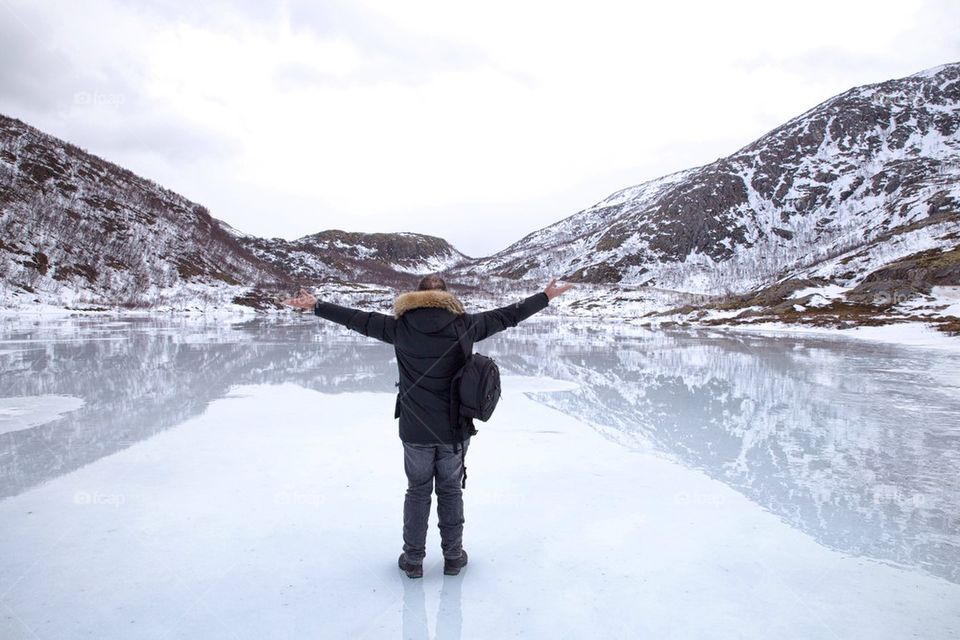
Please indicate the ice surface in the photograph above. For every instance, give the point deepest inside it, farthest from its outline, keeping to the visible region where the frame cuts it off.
(633, 483)
(29, 411)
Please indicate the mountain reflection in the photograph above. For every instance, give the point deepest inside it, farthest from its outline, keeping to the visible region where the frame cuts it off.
(854, 443)
(138, 378)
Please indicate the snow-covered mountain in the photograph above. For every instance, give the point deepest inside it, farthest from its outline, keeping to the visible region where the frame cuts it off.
(836, 198)
(385, 258)
(77, 231)
(850, 211)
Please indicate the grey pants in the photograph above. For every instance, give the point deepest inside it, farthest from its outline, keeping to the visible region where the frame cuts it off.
(423, 463)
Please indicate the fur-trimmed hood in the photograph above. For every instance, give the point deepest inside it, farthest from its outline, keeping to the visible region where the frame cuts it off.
(434, 298)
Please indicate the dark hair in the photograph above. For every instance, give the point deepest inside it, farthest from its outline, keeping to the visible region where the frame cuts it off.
(432, 281)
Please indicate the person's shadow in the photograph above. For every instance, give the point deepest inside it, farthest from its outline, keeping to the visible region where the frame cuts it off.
(449, 624)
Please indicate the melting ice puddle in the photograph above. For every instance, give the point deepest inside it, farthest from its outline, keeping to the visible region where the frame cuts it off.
(25, 412)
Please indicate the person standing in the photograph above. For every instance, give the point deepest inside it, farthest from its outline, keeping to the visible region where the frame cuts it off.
(424, 334)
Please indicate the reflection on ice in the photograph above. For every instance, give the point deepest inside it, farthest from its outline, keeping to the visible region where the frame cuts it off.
(854, 443)
(151, 376)
(449, 616)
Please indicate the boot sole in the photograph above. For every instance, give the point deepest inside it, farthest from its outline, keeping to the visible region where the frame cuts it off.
(412, 574)
(455, 569)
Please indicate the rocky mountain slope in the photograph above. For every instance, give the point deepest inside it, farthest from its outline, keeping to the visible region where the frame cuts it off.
(77, 231)
(848, 213)
(858, 198)
(385, 258)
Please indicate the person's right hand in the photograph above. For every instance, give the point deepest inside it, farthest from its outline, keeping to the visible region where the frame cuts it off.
(553, 289)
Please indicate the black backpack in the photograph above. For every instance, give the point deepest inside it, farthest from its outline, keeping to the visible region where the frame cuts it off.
(474, 391)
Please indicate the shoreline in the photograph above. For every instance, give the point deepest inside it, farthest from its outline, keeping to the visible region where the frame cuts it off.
(912, 333)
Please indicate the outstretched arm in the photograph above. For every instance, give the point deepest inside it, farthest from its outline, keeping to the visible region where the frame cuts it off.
(483, 325)
(369, 323)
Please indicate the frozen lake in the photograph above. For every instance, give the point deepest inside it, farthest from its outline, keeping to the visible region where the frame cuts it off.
(207, 479)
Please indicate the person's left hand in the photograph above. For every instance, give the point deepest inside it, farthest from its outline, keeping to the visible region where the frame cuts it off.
(304, 300)
(553, 289)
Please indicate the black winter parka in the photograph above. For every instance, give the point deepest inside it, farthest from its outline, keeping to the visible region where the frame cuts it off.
(428, 354)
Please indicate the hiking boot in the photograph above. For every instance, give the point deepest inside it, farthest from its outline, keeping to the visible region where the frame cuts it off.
(412, 570)
(452, 566)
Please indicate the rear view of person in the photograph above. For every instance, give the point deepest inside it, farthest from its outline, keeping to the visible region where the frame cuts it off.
(423, 331)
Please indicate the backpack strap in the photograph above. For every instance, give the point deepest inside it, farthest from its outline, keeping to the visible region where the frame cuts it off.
(458, 447)
(467, 352)
(462, 337)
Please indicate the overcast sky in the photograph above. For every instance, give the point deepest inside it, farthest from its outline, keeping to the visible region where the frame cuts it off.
(476, 122)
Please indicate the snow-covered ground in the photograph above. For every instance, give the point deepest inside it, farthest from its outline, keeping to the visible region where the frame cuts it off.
(913, 334)
(246, 481)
